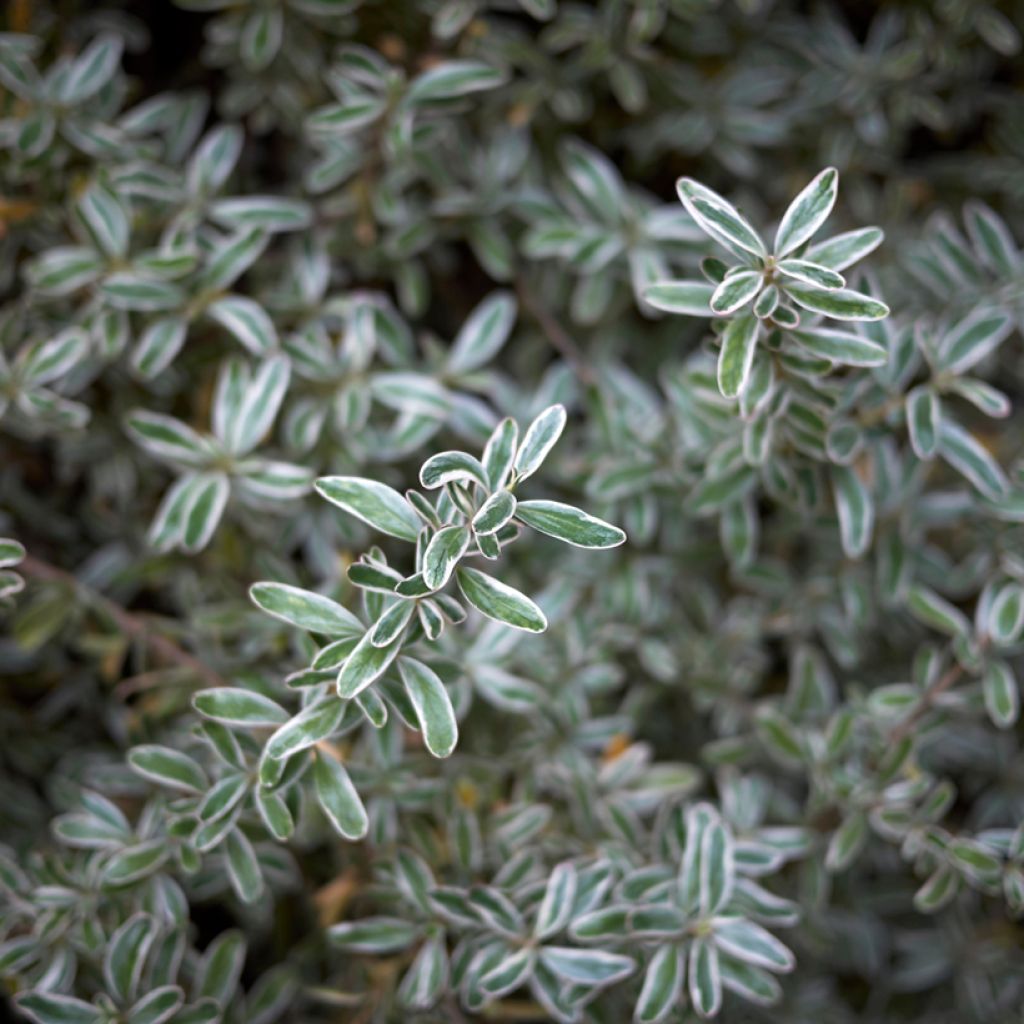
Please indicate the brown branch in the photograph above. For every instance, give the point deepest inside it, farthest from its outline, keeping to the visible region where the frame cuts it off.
(928, 698)
(131, 624)
(555, 333)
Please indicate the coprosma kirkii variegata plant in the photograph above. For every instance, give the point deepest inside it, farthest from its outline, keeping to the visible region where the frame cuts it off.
(450, 577)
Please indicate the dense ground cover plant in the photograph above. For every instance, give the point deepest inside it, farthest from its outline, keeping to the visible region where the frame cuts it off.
(511, 511)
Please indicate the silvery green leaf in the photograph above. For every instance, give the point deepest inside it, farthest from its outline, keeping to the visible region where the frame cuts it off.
(810, 273)
(587, 967)
(663, 983)
(985, 398)
(594, 177)
(494, 513)
(1006, 615)
(338, 798)
(498, 601)
(365, 664)
(842, 251)
(374, 503)
(736, 291)
(161, 341)
(451, 79)
(126, 954)
(452, 467)
(739, 342)
(243, 867)
(973, 338)
(808, 211)
(937, 612)
(376, 935)
(751, 983)
(839, 304)
(846, 844)
(313, 724)
(924, 419)
(262, 213)
(136, 292)
(336, 120)
(705, 979)
(941, 887)
(261, 37)
(1001, 695)
(263, 396)
(967, 456)
(412, 394)
(53, 1008)
(540, 438)
(92, 69)
(391, 625)
(11, 552)
(499, 452)
(424, 982)
(157, 1006)
(234, 706)
(556, 906)
(744, 940)
(228, 260)
(691, 298)
(856, 511)
(569, 524)
(107, 218)
(214, 159)
(221, 967)
(50, 360)
(510, 973)
(841, 346)
(443, 553)
(720, 219)
(167, 438)
(64, 270)
(204, 510)
(766, 302)
(167, 767)
(247, 321)
(483, 334)
(991, 238)
(432, 704)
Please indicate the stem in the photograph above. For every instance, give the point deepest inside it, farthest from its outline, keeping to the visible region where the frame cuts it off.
(930, 695)
(555, 333)
(131, 624)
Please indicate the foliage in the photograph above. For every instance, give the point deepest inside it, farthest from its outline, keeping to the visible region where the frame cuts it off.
(457, 578)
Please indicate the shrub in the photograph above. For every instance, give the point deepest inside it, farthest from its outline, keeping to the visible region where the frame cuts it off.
(455, 576)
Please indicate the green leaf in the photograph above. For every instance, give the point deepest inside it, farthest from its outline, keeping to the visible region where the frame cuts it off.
(663, 983)
(500, 452)
(483, 334)
(540, 438)
(511, 972)
(1006, 615)
(374, 935)
(842, 251)
(494, 513)
(935, 611)
(841, 346)
(736, 291)
(313, 724)
(705, 979)
(265, 213)
(739, 342)
(432, 704)
(811, 273)
(205, 510)
(855, 509)
(443, 553)
(243, 867)
(586, 967)
(167, 438)
(976, 336)
(839, 304)
(247, 321)
(569, 524)
(305, 609)
(391, 625)
(234, 706)
(452, 467)
(500, 602)
(221, 967)
(157, 1006)
(336, 120)
(374, 503)
(556, 906)
(808, 211)
(1002, 698)
(126, 955)
(168, 767)
(451, 79)
(719, 218)
(365, 664)
(924, 419)
(971, 460)
(690, 298)
(338, 798)
(51, 1008)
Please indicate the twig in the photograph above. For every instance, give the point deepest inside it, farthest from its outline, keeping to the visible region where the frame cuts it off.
(555, 333)
(928, 698)
(131, 624)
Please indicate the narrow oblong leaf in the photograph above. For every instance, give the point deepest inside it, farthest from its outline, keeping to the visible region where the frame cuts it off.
(808, 211)
(739, 342)
(569, 524)
(500, 602)
(432, 704)
(540, 438)
(338, 798)
(374, 503)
